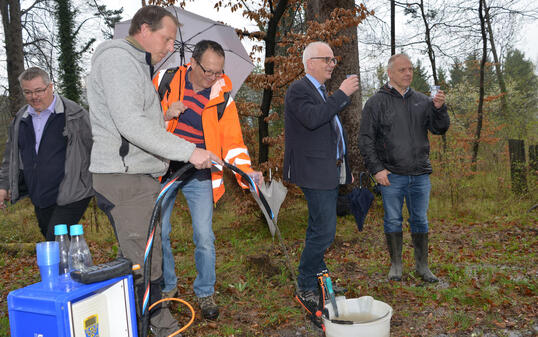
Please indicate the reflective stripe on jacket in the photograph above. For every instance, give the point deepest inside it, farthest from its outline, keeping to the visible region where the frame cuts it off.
(222, 137)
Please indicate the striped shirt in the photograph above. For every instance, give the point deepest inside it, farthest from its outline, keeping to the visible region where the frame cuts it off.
(189, 126)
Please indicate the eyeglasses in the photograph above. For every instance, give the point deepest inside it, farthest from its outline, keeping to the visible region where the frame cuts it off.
(37, 92)
(217, 74)
(326, 59)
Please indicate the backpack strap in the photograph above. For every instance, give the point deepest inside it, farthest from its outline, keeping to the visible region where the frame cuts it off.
(164, 84)
(164, 87)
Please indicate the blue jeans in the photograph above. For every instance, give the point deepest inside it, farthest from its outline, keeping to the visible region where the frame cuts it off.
(319, 235)
(416, 191)
(199, 197)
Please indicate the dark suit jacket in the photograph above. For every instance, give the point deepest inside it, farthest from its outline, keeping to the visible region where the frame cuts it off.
(310, 152)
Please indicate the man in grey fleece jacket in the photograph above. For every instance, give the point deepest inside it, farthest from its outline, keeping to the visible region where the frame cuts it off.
(131, 145)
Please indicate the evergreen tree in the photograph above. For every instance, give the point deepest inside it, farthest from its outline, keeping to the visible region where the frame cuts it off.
(522, 96)
(442, 80)
(456, 73)
(69, 68)
(381, 75)
(420, 81)
(520, 70)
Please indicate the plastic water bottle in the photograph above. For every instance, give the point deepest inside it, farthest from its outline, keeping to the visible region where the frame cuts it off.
(79, 253)
(60, 233)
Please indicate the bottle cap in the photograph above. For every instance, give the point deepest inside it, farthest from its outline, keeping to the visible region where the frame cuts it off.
(76, 230)
(60, 229)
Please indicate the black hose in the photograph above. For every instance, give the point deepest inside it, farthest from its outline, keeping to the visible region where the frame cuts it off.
(149, 245)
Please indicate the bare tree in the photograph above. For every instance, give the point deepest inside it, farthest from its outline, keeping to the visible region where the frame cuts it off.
(392, 27)
(480, 112)
(11, 20)
(500, 76)
(270, 40)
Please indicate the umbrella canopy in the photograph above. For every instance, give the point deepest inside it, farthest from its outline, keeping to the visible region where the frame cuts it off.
(275, 193)
(195, 28)
(360, 200)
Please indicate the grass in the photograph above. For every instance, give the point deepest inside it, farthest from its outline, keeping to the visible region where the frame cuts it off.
(483, 248)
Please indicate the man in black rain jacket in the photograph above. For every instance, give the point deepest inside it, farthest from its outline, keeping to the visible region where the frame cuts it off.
(393, 141)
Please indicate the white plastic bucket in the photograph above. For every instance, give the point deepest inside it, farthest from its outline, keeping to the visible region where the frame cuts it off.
(370, 317)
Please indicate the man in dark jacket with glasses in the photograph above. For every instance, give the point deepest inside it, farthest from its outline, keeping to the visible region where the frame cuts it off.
(393, 141)
(47, 155)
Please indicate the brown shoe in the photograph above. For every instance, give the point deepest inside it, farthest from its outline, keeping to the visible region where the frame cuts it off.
(209, 308)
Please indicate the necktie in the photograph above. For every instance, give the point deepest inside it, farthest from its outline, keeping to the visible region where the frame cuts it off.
(323, 91)
(339, 136)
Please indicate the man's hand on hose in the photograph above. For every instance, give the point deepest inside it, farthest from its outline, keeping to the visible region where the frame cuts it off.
(257, 176)
(202, 159)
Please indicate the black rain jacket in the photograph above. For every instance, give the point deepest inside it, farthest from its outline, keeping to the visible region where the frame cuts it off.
(394, 131)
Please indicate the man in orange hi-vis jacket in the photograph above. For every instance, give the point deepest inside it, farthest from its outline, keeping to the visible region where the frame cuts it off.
(197, 107)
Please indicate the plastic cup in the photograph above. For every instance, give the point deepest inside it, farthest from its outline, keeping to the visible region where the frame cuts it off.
(433, 90)
(48, 260)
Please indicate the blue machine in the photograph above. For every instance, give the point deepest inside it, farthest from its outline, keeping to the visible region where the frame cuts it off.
(74, 309)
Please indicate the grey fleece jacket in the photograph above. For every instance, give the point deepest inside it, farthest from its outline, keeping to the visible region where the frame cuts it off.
(124, 102)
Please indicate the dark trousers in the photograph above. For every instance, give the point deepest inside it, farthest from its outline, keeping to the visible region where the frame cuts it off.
(70, 214)
(319, 234)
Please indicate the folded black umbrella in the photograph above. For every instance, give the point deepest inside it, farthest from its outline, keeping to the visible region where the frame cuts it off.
(360, 200)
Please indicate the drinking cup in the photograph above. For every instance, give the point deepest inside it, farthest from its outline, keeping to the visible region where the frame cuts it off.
(433, 90)
(48, 261)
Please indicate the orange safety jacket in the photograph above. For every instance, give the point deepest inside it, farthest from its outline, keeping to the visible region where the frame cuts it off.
(222, 137)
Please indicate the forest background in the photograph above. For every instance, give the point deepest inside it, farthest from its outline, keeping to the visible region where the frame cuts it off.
(483, 206)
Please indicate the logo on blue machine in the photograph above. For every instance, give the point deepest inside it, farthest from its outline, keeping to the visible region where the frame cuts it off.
(91, 326)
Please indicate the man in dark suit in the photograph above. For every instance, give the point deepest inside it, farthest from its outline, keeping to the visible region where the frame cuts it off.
(315, 158)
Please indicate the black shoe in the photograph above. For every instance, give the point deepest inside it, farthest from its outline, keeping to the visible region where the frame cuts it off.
(209, 308)
(308, 299)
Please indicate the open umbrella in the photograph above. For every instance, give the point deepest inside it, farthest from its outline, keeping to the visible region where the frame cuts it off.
(195, 28)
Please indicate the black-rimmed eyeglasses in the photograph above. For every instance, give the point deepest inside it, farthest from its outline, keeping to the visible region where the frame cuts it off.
(217, 74)
(326, 59)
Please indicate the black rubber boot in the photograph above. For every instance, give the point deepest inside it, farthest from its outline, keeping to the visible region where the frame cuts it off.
(420, 242)
(394, 245)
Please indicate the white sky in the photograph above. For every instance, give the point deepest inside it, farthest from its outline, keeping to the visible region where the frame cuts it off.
(528, 43)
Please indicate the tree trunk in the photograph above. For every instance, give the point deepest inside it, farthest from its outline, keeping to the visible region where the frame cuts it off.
(320, 10)
(11, 19)
(431, 56)
(480, 112)
(392, 27)
(533, 159)
(516, 149)
(500, 77)
(270, 51)
(428, 40)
